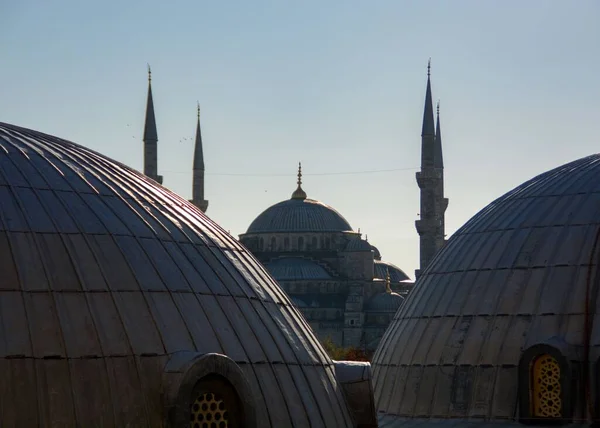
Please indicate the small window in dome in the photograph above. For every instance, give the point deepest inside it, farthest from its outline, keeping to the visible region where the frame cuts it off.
(544, 379)
(314, 243)
(545, 382)
(209, 408)
(262, 244)
(286, 243)
(215, 404)
(273, 244)
(301, 243)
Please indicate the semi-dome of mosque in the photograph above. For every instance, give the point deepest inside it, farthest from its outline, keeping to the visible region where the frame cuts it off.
(358, 245)
(384, 302)
(299, 215)
(123, 305)
(381, 269)
(504, 323)
(296, 269)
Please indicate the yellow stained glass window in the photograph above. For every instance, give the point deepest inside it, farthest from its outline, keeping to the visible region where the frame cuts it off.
(546, 388)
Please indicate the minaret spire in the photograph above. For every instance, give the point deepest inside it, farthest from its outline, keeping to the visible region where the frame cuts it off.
(428, 127)
(438, 158)
(299, 193)
(150, 136)
(431, 225)
(198, 169)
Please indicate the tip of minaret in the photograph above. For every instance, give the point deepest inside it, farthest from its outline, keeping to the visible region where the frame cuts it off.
(198, 149)
(150, 133)
(299, 193)
(428, 125)
(438, 157)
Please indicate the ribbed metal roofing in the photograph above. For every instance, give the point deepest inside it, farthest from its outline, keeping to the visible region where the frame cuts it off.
(358, 245)
(299, 215)
(296, 269)
(382, 268)
(513, 276)
(384, 302)
(105, 275)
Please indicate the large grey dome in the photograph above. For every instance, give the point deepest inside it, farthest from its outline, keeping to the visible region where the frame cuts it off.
(299, 215)
(507, 292)
(116, 292)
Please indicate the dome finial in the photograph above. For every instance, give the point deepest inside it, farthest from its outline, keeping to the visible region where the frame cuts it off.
(429, 67)
(198, 104)
(388, 288)
(149, 74)
(299, 193)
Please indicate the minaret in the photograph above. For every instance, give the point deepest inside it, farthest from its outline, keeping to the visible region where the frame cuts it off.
(151, 137)
(198, 171)
(430, 179)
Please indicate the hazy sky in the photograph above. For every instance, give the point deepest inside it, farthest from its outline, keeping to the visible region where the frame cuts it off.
(338, 85)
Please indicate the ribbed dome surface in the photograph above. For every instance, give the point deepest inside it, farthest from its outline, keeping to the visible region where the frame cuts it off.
(104, 275)
(296, 269)
(512, 277)
(358, 245)
(382, 268)
(384, 302)
(299, 215)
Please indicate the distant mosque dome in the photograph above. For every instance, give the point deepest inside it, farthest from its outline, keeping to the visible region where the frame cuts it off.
(123, 305)
(358, 245)
(384, 302)
(381, 269)
(503, 324)
(376, 253)
(299, 214)
(296, 269)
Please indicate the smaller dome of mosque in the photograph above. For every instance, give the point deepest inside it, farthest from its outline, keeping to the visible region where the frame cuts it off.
(296, 269)
(358, 245)
(384, 302)
(299, 214)
(377, 254)
(382, 268)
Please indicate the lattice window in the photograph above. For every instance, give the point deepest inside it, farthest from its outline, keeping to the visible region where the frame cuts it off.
(209, 411)
(546, 388)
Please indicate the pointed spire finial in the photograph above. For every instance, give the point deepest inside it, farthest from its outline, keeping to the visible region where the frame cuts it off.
(198, 106)
(388, 287)
(438, 107)
(429, 67)
(366, 237)
(149, 74)
(299, 193)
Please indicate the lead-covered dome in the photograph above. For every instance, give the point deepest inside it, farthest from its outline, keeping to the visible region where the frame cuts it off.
(299, 215)
(384, 302)
(495, 327)
(117, 297)
(296, 269)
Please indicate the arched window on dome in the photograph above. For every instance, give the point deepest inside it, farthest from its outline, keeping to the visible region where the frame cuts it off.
(286, 243)
(207, 390)
(261, 244)
(273, 244)
(327, 243)
(314, 243)
(215, 403)
(301, 243)
(544, 386)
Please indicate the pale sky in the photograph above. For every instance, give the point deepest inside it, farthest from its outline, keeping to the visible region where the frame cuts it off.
(338, 85)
